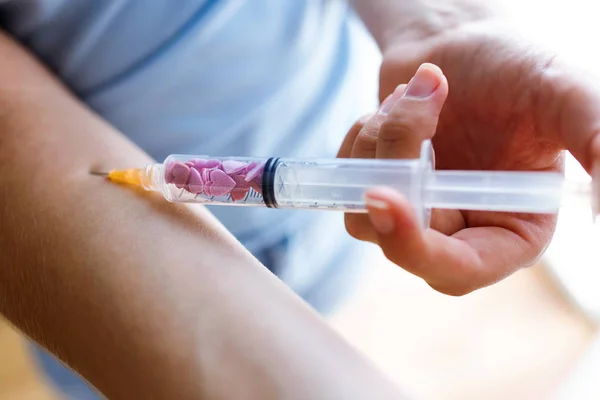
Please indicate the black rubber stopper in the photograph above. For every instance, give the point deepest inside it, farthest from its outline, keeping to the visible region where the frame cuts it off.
(268, 182)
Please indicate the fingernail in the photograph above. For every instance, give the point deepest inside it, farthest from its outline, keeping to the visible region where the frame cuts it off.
(379, 214)
(391, 100)
(424, 83)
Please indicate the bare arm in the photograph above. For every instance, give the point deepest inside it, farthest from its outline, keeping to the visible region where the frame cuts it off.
(144, 299)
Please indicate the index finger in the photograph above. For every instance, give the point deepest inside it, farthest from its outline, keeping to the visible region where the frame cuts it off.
(365, 144)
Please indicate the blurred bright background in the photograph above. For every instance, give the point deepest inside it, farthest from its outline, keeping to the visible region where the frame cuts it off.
(532, 336)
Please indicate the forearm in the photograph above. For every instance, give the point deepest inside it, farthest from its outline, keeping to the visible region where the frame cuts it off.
(143, 298)
(418, 19)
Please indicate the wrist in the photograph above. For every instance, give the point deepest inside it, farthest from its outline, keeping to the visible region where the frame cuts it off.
(404, 54)
(395, 22)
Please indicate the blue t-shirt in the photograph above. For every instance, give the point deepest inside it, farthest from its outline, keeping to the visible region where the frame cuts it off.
(221, 78)
(215, 77)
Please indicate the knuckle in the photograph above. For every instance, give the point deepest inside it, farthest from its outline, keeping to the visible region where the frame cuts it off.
(370, 131)
(403, 127)
(391, 128)
(365, 144)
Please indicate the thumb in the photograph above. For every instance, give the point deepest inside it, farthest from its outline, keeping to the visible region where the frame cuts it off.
(414, 116)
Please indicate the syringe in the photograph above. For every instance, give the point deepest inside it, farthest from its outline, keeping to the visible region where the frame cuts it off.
(340, 184)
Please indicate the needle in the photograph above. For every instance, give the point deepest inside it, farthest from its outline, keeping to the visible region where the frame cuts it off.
(98, 173)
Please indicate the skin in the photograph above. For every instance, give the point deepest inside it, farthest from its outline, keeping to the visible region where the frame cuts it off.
(511, 106)
(143, 298)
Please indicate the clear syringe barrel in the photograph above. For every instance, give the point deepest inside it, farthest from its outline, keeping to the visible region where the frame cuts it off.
(341, 184)
(330, 184)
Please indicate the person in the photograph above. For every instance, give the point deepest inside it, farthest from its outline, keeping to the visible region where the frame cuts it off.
(238, 72)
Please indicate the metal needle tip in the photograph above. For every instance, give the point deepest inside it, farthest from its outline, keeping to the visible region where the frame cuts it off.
(98, 173)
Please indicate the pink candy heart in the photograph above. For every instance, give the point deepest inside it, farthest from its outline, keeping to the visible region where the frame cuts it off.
(240, 182)
(250, 166)
(208, 188)
(221, 183)
(232, 167)
(199, 164)
(204, 174)
(212, 164)
(256, 186)
(177, 173)
(256, 172)
(195, 183)
(241, 188)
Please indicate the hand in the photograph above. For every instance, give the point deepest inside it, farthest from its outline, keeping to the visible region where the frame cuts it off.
(509, 107)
